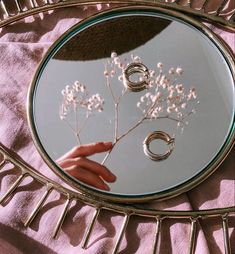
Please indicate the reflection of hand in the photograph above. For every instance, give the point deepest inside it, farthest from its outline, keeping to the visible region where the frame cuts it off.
(90, 172)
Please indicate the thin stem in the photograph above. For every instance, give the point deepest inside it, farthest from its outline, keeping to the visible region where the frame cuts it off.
(122, 136)
(116, 104)
(111, 90)
(83, 125)
(74, 131)
(116, 122)
(170, 118)
(76, 118)
(107, 154)
(77, 131)
(70, 126)
(78, 138)
(132, 128)
(117, 115)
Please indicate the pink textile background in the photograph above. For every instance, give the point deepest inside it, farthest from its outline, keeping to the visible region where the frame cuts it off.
(22, 45)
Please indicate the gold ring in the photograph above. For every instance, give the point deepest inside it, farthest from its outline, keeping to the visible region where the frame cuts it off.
(135, 68)
(162, 136)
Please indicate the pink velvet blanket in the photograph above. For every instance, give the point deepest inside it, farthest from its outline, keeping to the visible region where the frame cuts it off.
(22, 45)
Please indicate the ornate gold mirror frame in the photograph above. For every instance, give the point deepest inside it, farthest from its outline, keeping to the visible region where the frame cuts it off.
(20, 12)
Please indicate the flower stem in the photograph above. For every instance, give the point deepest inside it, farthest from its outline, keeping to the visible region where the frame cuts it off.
(107, 154)
(70, 126)
(131, 129)
(116, 122)
(76, 118)
(120, 137)
(78, 139)
(111, 90)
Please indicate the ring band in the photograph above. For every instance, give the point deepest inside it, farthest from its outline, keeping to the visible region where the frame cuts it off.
(135, 68)
(162, 136)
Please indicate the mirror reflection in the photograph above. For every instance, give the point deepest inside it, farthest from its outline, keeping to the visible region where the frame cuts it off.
(134, 104)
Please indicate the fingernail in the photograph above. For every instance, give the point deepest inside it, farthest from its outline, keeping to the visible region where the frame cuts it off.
(106, 187)
(113, 178)
(108, 143)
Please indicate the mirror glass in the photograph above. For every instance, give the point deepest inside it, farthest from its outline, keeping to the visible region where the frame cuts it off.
(153, 85)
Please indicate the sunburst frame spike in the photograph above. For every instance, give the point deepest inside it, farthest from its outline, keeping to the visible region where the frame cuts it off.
(227, 245)
(121, 233)
(33, 3)
(205, 4)
(39, 205)
(3, 163)
(193, 231)
(62, 218)
(4, 9)
(12, 189)
(18, 6)
(90, 228)
(221, 7)
(157, 234)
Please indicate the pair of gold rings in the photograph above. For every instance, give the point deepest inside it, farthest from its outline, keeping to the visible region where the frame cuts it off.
(155, 136)
(129, 73)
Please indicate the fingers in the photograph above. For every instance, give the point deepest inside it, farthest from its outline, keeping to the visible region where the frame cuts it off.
(87, 177)
(85, 170)
(91, 166)
(87, 150)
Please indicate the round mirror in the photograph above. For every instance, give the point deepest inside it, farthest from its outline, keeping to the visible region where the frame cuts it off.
(134, 104)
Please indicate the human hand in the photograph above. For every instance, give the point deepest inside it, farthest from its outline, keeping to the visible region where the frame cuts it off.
(90, 172)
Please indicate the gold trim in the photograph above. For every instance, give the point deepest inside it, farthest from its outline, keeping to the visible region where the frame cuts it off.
(144, 198)
(216, 16)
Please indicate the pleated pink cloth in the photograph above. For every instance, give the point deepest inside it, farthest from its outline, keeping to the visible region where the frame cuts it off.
(22, 45)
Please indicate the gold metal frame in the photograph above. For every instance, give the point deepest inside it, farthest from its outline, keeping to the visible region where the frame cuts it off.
(193, 217)
(99, 205)
(216, 16)
(187, 185)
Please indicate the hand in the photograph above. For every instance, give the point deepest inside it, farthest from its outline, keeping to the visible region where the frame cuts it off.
(90, 172)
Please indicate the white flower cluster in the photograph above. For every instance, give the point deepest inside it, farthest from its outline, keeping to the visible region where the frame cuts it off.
(95, 103)
(165, 97)
(168, 98)
(76, 96)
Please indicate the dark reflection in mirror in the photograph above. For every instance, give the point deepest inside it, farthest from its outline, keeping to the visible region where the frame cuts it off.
(120, 35)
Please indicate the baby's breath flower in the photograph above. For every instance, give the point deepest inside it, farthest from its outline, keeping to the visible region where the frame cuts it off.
(179, 88)
(172, 71)
(75, 97)
(165, 99)
(113, 54)
(159, 65)
(106, 73)
(179, 71)
(95, 103)
(137, 59)
(152, 73)
(116, 60)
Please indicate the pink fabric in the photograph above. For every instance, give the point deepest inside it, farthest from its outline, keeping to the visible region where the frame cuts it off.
(22, 45)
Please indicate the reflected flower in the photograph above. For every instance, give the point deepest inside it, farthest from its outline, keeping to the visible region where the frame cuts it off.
(75, 98)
